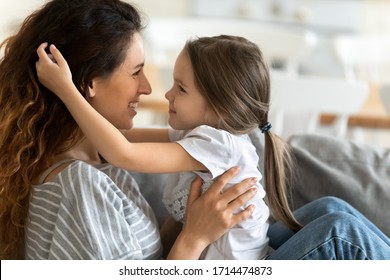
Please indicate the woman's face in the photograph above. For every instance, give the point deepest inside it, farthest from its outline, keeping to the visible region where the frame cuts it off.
(187, 106)
(117, 97)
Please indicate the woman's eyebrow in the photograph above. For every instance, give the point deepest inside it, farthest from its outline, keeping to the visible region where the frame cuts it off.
(142, 64)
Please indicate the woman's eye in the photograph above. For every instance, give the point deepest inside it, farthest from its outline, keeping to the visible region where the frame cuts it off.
(136, 73)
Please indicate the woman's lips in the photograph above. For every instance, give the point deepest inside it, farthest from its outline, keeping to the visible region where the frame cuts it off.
(133, 107)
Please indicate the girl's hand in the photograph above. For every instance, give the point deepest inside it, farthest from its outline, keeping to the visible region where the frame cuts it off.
(53, 70)
(210, 215)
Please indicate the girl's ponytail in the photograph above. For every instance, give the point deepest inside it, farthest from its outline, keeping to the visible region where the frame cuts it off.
(278, 166)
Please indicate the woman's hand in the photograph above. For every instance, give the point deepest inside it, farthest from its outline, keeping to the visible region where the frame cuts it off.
(53, 70)
(210, 215)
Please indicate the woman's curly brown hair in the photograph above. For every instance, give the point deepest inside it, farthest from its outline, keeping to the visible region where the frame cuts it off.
(93, 36)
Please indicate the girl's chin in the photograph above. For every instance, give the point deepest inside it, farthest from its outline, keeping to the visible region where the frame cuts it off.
(172, 124)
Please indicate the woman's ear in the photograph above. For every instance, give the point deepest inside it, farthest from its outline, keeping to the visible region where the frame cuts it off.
(91, 89)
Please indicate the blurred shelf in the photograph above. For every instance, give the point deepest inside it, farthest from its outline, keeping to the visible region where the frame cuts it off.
(372, 115)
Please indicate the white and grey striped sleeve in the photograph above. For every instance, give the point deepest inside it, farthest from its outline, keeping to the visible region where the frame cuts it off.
(91, 218)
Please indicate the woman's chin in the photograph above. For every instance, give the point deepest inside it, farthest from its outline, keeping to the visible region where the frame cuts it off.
(126, 126)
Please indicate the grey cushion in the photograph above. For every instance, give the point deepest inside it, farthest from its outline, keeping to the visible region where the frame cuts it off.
(357, 173)
(151, 187)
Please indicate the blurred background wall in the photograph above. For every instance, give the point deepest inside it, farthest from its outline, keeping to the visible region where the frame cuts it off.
(327, 20)
(326, 17)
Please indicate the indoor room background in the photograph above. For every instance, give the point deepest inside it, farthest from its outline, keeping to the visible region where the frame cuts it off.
(329, 59)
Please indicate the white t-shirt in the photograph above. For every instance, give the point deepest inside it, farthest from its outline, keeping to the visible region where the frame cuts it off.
(218, 151)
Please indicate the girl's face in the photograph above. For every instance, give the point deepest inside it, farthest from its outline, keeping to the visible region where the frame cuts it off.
(117, 97)
(187, 107)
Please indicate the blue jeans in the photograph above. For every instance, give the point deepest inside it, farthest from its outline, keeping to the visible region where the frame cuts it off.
(333, 230)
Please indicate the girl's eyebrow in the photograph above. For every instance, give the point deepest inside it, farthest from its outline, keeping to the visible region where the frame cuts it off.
(179, 82)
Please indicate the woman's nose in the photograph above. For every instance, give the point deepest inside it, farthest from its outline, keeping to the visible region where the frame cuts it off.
(144, 85)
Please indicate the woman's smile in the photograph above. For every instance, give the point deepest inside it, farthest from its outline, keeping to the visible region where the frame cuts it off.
(133, 107)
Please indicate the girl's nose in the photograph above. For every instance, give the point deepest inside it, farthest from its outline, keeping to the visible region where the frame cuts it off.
(169, 95)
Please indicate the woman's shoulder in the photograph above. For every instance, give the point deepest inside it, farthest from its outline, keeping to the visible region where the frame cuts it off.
(68, 169)
(83, 182)
(96, 197)
(76, 174)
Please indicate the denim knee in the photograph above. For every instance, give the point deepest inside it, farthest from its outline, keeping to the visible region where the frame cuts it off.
(333, 201)
(320, 207)
(332, 204)
(351, 236)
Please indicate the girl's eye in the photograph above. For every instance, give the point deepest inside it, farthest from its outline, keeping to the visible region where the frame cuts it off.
(181, 89)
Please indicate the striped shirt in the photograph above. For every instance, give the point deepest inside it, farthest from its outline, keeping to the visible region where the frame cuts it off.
(91, 212)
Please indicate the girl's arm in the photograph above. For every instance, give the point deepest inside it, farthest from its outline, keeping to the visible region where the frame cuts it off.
(109, 141)
(210, 215)
(147, 135)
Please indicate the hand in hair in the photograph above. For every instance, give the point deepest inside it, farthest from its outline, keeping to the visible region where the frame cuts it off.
(53, 70)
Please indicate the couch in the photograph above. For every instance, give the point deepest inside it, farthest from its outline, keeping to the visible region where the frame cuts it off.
(357, 173)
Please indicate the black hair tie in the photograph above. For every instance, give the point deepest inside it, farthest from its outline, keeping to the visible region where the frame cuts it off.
(265, 127)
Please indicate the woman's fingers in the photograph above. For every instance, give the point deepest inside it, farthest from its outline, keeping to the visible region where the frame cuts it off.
(241, 198)
(243, 215)
(195, 190)
(237, 195)
(218, 207)
(222, 180)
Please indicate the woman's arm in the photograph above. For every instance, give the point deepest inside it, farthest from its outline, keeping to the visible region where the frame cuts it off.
(109, 141)
(169, 231)
(210, 215)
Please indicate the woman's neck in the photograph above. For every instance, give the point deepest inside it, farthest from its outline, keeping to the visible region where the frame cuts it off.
(84, 151)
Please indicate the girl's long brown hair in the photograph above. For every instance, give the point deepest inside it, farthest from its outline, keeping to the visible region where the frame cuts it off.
(233, 77)
(93, 35)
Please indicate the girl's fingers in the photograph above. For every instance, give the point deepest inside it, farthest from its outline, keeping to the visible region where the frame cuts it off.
(58, 58)
(44, 58)
(41, 51)
(54, 56)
